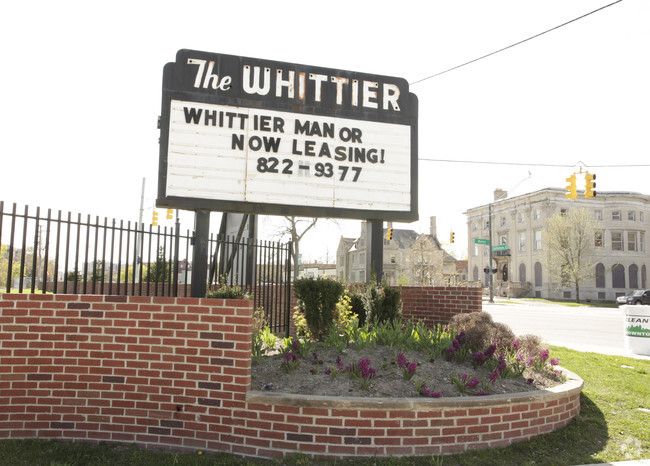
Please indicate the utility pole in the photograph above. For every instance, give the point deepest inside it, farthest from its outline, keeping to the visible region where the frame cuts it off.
(490, 279)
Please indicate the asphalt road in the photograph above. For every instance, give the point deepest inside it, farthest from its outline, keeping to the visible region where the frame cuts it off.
(584, 328)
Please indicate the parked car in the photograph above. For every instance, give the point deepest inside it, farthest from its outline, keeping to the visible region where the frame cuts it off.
(620, 300)
(638, 297)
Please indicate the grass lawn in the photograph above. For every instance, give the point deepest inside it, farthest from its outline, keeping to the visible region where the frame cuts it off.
(612, 426)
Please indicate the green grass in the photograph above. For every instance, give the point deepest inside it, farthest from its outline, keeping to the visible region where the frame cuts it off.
(610, 427)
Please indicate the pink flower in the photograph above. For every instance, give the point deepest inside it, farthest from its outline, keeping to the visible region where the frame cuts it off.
(555, 361)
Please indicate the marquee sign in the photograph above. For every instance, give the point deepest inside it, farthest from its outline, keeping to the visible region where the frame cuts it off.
(256, 136)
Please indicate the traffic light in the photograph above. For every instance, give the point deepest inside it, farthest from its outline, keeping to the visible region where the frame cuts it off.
(451, 237)
(170, 214)
(590, 185)
(154, 219)
(571, 188)
(389, 233)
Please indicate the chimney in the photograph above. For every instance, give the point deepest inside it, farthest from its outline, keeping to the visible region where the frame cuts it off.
(432, 226)
(500, 194)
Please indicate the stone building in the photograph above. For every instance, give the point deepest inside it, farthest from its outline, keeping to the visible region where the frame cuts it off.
(410, 258)
(620, 252)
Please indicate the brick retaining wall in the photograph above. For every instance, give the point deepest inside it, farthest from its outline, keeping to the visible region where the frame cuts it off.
(176, 373)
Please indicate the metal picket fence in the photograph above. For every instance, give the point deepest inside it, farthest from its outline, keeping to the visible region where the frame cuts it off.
(56, 252)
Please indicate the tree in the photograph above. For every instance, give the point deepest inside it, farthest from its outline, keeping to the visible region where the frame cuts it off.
(569, 245)
(159, 271)
(292, 229)
(427, 262)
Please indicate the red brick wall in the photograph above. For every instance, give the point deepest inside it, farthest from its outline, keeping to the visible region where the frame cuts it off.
(437, 305)
(176, 373)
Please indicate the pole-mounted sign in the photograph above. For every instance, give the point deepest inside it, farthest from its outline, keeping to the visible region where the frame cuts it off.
(257, 136)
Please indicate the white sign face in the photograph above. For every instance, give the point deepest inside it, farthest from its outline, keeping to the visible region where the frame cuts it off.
(266, 156)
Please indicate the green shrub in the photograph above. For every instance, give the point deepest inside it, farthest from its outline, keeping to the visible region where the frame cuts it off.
(317, 300)
(382, 303)
(228, 292)
(357, 307)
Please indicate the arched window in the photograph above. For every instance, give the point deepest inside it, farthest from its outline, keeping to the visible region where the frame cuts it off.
(475, 273)
(634, 276)
(600, 276)
(618, 276)
(538, 274)
(643, 276)
(522, 272)
(505, 273)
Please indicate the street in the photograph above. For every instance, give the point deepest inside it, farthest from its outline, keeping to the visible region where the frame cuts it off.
(584, 328)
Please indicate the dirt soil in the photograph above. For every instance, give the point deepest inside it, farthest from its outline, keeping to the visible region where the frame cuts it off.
(310, 377)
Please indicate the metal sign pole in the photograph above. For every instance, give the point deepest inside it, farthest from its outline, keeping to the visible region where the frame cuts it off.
(200, 253)
(375, 250)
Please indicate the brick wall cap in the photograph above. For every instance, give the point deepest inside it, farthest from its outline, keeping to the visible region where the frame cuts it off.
(572, 386)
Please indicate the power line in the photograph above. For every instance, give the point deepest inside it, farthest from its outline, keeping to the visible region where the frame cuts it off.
(516, 43)
(550, 165)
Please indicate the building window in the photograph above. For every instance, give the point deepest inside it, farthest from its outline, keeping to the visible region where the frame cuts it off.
(631, 215)
(522, 242)
(475, 250)
(522, 272)
(631, 241)
(643, 276)
(634, 276)
(474, 226)
(618, 276)
(600, 276)
(641, 218)
(567, 295)
(538, 240)
(598, 239)
(502, 222)
(537, 214)
(538, 274)
(503, 239)
(392, 259)
(616, 215)
(522, 217)
(487, 224)
(486, 249)
(641, 241)
(617, 241)
(562, 212)
(598, 215)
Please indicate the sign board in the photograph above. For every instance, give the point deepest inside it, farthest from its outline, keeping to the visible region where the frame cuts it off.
(481, 241)
(500, 247)
(257, 136)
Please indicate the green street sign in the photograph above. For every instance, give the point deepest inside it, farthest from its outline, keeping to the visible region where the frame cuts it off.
(500, 247)
(481, 241)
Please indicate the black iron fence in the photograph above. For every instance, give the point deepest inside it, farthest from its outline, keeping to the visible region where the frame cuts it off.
(53, 252)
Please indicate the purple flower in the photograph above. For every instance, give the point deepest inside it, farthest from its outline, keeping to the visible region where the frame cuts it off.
(411, 368)
(295, 345)
(530, 362)
(328, 371)
(401, 360)
(488, 353)
(494, 375)
(436, 395)
(456, 344)
(555, 361)
(482, 393)
(543, 355)
(313, 371)
(473, 383)
(516, 344)
(478, 358)
(529, 381)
